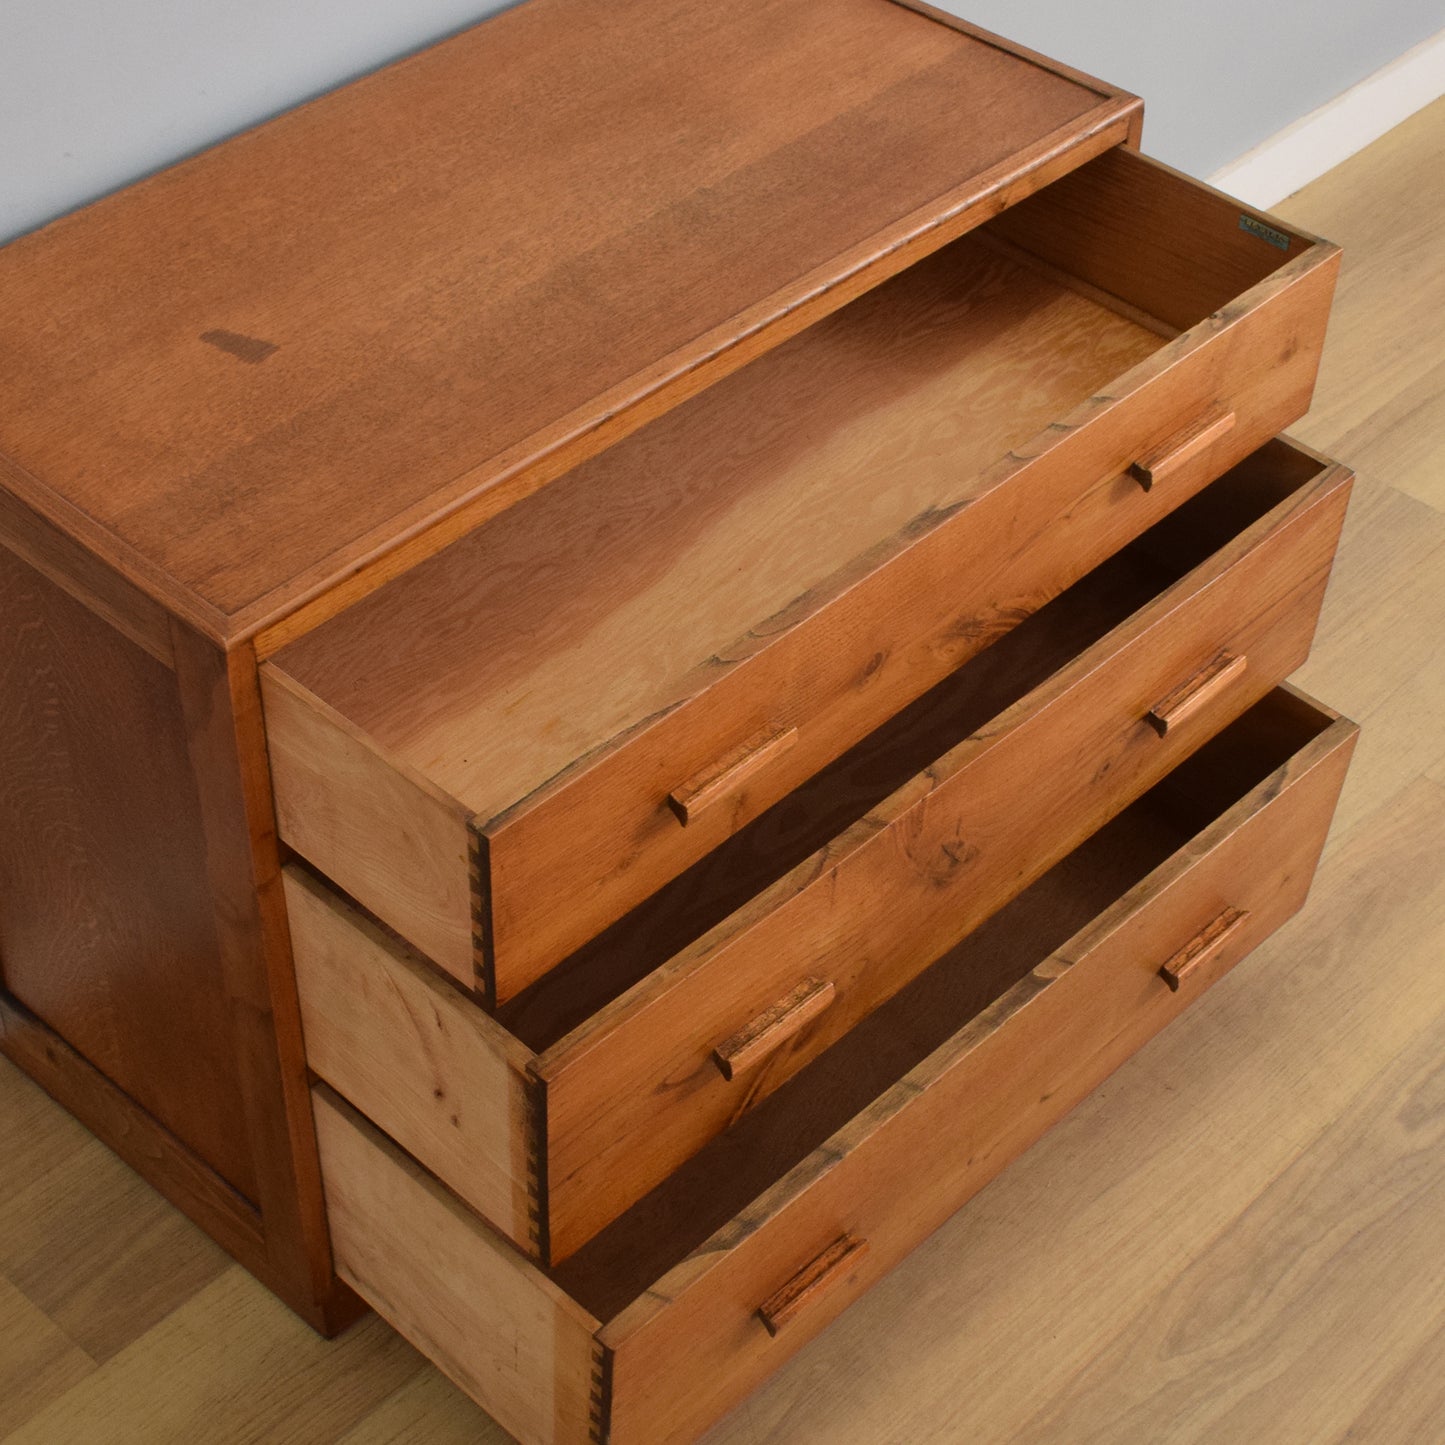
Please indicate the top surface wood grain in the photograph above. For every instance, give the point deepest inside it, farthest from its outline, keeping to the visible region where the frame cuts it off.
(407, 304)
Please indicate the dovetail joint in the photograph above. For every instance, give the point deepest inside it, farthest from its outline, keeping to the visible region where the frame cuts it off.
(599, 1403)
(479, 872)
(538, 1233)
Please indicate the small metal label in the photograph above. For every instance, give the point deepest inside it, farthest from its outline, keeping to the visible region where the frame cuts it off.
(1265, 233)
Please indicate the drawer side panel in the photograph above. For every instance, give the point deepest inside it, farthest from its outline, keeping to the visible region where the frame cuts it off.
(379, 831)
(397, 1040)
(495, 1325)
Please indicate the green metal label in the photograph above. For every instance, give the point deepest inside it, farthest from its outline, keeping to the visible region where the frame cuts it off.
(1265, 233)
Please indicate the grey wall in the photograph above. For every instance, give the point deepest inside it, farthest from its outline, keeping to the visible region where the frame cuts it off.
(95, 93)
(1217, 76)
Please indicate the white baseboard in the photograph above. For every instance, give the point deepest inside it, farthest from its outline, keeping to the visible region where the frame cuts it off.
(1291, 158)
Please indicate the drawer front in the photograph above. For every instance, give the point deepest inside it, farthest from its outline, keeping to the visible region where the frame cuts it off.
(802, 687)
(710, 1329)
(497, 882)
(772, 1279)
(656, 1074)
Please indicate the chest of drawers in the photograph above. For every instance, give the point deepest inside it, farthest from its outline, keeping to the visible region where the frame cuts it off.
(633, 651)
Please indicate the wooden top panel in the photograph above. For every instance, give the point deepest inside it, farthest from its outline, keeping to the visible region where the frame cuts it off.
(353, 333)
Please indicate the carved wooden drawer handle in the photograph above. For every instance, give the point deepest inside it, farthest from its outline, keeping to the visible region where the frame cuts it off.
(720, 779)
(1159, 464)
(811, 1282)
(1201, 689)
(774, 1026)
(1202, 947)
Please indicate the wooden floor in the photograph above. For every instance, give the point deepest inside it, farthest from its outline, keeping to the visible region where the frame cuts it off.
(1239, 1238)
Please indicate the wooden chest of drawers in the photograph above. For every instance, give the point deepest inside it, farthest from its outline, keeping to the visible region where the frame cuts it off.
(634, 651)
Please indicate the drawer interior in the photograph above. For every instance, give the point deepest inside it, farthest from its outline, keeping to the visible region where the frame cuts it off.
(823, 807)
(590, 607)
(757, 1242)
(716, 1185)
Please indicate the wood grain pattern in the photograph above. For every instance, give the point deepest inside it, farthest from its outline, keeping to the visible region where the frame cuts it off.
(635, 602)
(147, 1146)
(1242, 566)
(948, 848)
(831, 1268)
(980, 690)
(723, 779)
(226, 746)
(426, 1065)
(145, 967)
(1271, 1066)
(1123, 226)
(1196, 692)
(1379, 397)
(1195, 954)
(485, 1316)
(573, 215)
(828, 803)
(1050, 158)
(428, 1410)
(63, 561)
(380, 829)
(93, 1248)
(1380, 658)
(957, 22)
(770, 1030)
(38, 1361)
(1265, 1282)
(1029, 1047)
(230, 1348)
(610, 1272)
(411, 1249)
(1275, 1059)
(819, 810)
(1166, 459)
(858, 465)
(107, 930)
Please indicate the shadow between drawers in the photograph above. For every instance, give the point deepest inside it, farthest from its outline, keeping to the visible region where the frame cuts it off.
(718, 1183)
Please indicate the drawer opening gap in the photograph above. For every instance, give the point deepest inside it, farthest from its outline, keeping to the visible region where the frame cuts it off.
(828, 803)
(719, 1183)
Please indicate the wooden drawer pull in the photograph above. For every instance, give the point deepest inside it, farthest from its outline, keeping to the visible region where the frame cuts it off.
(1187, 699)
(812, 1281)
(718, 780)
(774, 1026)
(1183, 446)
(1202, 947)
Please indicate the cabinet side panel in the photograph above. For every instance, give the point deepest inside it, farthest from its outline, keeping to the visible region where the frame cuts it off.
(107, 929)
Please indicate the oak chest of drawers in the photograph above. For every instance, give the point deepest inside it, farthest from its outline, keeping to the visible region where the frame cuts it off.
(633, 651)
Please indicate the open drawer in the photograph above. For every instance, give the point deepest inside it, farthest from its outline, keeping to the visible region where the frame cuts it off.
(555, 1116)
(703, 1288)
(505, 750)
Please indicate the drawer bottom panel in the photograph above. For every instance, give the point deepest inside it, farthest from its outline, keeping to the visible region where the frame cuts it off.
(679, 1309)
